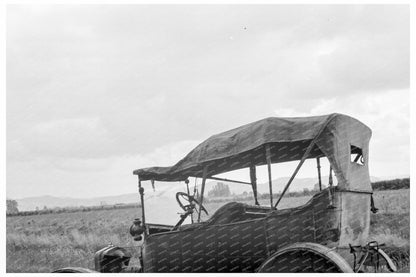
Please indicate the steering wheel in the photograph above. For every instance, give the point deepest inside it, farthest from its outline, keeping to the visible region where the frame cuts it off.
(191, 200)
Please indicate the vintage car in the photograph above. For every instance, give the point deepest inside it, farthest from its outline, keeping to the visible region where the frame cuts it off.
(327, 234)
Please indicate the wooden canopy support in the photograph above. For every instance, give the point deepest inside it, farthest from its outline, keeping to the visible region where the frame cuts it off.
(141, 192)
(269, 169)
(253, 180)
(318, 165)
(330, 186)
(190, 199)
(201, 199)
(330, 181)
(305, 155)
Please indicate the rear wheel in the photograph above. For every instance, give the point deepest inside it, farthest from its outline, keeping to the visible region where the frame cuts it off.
(74, 270)
(305, 257)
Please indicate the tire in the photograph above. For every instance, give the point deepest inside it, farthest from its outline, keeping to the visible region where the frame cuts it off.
(74, 270)
(305, 257)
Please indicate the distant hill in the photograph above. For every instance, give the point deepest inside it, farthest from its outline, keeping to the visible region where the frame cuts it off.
(164, 192)
(298, 184)
(30, 203)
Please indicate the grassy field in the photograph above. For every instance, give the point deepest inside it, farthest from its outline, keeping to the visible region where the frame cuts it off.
(42, 243)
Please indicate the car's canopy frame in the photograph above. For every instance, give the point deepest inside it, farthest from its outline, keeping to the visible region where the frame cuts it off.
(275, 140)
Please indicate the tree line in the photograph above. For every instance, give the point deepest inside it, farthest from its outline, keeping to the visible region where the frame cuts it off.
(13, 211)
(219, 190)
(392, 184)
(380, 185)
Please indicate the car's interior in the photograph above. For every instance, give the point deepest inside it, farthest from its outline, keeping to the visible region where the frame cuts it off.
(233, 212)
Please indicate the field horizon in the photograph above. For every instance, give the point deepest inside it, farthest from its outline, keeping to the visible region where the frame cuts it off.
(43, 243)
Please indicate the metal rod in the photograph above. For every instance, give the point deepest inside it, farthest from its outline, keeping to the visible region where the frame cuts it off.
(228, 180)
(305, 155)
(318, 165)
(269, 169)
(201, 199)
(253, 179)
(141, 192)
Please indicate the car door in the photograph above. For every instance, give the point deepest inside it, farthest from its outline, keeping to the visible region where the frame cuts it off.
(241, 246)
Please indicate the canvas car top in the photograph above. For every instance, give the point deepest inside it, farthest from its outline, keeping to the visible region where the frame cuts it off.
(336, 136)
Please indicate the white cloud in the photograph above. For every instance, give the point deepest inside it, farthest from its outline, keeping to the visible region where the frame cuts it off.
(94, 92)
(75, 137)
(81, 177)
(386, 113)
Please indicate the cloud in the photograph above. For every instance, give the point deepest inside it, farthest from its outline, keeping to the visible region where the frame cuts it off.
(372, 64)
(387, 114)
(79, 177)
(98, 89)
(75, 137)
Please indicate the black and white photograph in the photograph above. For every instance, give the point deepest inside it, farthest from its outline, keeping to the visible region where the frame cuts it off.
(207, 138)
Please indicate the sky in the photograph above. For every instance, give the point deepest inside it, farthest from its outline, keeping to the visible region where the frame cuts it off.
(94, 92)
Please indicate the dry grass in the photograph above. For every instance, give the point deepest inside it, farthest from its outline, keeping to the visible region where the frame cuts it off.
(392, 201)
(42, 243)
